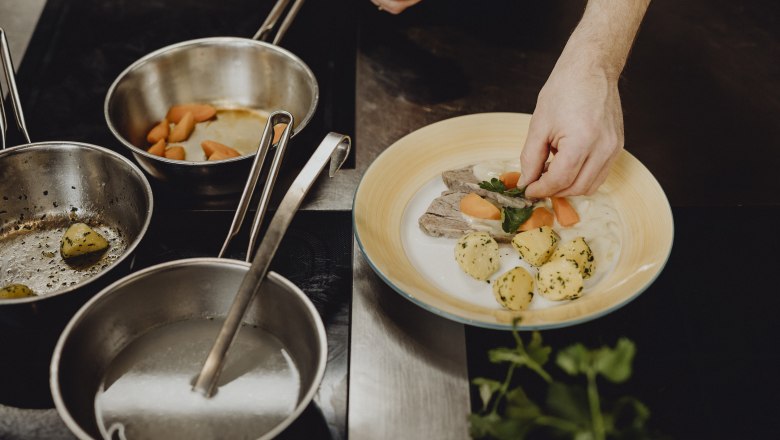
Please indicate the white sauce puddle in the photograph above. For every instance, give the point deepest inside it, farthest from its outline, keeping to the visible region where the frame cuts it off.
(434, 257)
(147, 392)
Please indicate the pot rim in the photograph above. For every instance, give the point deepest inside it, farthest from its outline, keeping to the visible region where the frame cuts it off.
(59, 402)
(31, 148)
(300, 125)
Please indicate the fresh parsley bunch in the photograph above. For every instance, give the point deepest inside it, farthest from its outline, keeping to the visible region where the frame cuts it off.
(569, 411)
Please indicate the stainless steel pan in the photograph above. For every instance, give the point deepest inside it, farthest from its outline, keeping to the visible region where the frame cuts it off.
(125, 364)
(44, 187)
(223, 71)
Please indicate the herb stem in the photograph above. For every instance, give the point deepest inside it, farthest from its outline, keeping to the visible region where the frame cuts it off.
(597, 419)
(502, 390)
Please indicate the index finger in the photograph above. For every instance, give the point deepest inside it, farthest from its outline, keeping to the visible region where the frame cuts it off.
(563, 170)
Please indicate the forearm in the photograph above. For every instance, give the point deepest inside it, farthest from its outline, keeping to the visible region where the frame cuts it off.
(603, 38)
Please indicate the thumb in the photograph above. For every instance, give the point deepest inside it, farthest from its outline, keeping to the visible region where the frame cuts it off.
(534, 155)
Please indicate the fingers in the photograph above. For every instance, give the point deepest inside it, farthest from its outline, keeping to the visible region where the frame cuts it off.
(394, 6)
(562, 172)
(534, 155)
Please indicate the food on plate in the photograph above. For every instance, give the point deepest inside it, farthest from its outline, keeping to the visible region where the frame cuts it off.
(564, 212)
(79, 239)
(477, 254)
(559, 280)
(14, 291)
(158, 149)
(216, 151)
(514, 289)
(475, 206)
(464, 180)
(159, 132)
(183, 129)
(200, 112)
(536, 245)
(509, 179)
(578, 252)
(540, 216)
(176, 152)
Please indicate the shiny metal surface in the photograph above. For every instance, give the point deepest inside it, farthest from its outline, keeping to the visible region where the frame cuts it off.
(334, 149)
(254, 176)
(225, 71)
(13, 92)
(408, 373)
(199, 288)
(49, 184)
(270, 22)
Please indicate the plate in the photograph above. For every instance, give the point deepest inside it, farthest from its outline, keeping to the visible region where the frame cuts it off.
(387, 204)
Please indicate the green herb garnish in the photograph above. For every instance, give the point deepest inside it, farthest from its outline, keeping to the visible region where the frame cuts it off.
(512, 218)
(497, 186)
(568, 411)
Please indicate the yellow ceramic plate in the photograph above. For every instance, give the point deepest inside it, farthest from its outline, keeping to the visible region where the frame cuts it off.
(396, 188)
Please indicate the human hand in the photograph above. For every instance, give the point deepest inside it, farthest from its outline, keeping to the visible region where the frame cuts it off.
(579, 119)
(394, 6)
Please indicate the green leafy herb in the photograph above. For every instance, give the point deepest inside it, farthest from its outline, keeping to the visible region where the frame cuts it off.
(495, 185)
(569, 410)
(512, 218)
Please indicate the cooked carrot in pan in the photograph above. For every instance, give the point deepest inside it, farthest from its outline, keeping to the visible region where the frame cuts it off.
(201, 112)
(509, 179)
(183, 129)
(176, 153)
(158, 149)
(160, 131)
(211, 147)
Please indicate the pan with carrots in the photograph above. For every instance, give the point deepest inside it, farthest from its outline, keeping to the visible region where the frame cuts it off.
(191, 113)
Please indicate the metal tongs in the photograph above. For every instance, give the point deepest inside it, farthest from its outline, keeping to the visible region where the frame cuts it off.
(13, 92)
(334, 148)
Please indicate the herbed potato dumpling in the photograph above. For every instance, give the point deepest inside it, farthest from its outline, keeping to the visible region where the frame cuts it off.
(477, 254)
(559, 280)
(536, 246)
(80, 240)
(578, 252)
(514, 289)
(13, 291)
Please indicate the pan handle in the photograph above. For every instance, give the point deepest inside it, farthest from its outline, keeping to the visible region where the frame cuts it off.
(10, 80)
(264, 33)
(334, 149)
(278, 117)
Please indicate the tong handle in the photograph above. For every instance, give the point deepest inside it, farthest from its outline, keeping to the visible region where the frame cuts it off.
(278, 117)
(268, 25)
(335, 147)
(10, 80)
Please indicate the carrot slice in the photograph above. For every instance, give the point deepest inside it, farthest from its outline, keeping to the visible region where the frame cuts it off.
(564, 212)
(278, 129)
(160, 131)
(476, 206)
(211, 147)
(218, 155)
(201, 112)
(541, 216)
(158, 149)
(509, 179)
(183, 129)
(176, 153)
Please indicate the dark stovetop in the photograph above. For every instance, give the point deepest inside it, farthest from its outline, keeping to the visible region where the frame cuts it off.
(77, 50)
